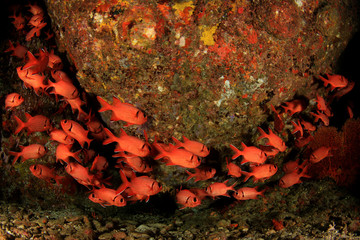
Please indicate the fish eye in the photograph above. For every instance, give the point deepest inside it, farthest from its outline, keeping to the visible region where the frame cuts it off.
(92, 195)
(195, 199)
(34, 167)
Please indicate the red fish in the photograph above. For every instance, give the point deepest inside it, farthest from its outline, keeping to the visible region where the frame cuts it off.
(307, 125)
(290, 179)
(37, 64)
(63, 153)
(321, 116)
(35, 9)
(246, 193)
(194, 147)
(33, 151)
(136, 163)
(269, 151)
(303, 141)
(123, 111)
(75, 105)
(107, 197)
(36, 20)
(250, 154)
(261, 172)
(292, 166)
(19, 51)
(294, 106)
(343, 91)
(35, 81)
(61, 137)
(127, 143)
(273, 139)
(35, 31)
(76, 131)
(335, 81)
(19, 21)
(319, 154)
(13, 100)
(99, 164)
(177, 156)
(187, 199)
(278, 121)
(219, 189)
(96, 128)
(59, 76)
(38, 123)
(55, 62)
(142, 186)
(64, 89)
(297, 128)
(322, 106)
(82, 175)
(45, 173)
(233, 169)
(201, 174)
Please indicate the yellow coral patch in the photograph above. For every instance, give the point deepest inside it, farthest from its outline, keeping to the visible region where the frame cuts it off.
(207, 35)
(179, 7)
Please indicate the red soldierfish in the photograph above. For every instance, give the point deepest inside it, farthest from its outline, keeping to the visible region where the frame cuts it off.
(307, 125)
(142, 186)
(321, 116)
(323, 106)
(335, 81)
(61, 137)
(201, 174)
(261, 172)
(250, 154)
(246, 193)
(278, 121)
(63, 88)
(63, 153)
(319, 154)
(219, 189)
(177, 156)
(273, 139)
(292, 178)
(13, 100)
(194, 147)
(136, 163)
(33, 151)
(35, 81)
(123, 111)
(37, 65)
(107, 197)
(292, 166)
(76, 131)
(45, 173)
(294, 106)
(82, 175)
(233, 169)
(99, 164)
(127, 143)
(38, 123)
(18, 51)
(187, 199)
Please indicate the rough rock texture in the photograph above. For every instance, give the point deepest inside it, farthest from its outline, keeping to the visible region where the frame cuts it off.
(208, 70)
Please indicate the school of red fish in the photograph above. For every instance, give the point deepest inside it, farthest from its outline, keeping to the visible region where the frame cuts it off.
(44, 74)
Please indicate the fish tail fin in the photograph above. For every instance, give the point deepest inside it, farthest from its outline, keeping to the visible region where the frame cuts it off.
(237, 152)
(76, 156)
(316, 116)
(105, 106)
(59, 179)
(124, 184)
(177, 142)
(161, 150)
(110, 135)
(32, 61)
(247, 175)
(326, 81)
(262, 132)
(11, 48)
(20, 126)
(191, 175)
(16, 155)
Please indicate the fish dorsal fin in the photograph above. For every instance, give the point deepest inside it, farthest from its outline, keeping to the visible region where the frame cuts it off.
(122, 132)
(116, 100)
(243, 145)
(185, 138)
(28, 116)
